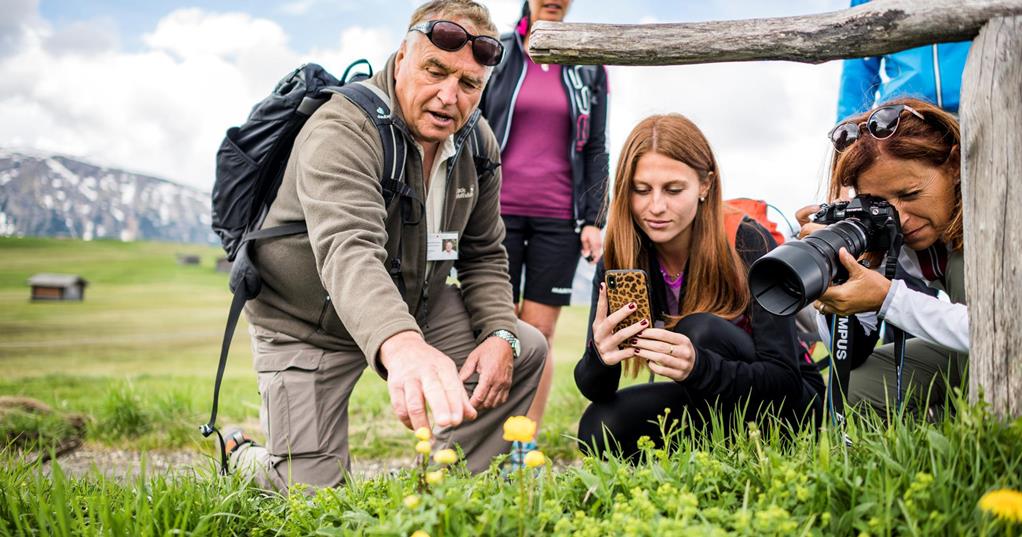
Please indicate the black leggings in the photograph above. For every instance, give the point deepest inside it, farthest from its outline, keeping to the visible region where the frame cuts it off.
(633, 411)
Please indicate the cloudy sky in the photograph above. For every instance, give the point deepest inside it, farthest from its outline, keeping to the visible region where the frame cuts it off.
(151, 86)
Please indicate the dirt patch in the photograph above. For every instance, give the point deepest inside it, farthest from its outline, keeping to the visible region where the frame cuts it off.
(120, 464)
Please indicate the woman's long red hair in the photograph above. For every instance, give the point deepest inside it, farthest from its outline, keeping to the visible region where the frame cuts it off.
(716, 280)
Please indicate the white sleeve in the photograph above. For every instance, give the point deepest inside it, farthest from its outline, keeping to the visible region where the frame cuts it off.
(926, 317)
(867, 320)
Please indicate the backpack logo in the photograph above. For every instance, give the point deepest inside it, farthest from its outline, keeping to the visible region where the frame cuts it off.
(464, 193)
(381, 113)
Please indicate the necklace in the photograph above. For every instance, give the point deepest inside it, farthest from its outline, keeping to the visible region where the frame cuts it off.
(672, 280)
(544, 66)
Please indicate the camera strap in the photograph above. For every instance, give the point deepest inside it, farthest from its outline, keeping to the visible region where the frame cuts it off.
(841, 338)
(890, 269)
(899, 356)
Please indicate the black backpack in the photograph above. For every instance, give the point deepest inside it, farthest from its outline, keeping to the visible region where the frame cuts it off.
(250, 167)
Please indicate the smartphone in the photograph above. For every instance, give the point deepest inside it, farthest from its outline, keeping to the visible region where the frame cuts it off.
(624, 287)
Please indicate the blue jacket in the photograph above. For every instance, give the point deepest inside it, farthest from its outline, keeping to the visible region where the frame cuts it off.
(932, 73)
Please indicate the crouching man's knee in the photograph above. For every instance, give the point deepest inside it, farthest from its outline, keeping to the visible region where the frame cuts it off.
(534, 350)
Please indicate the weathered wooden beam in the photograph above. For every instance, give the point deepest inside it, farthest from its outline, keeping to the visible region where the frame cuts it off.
(991, 114)
(879, 27)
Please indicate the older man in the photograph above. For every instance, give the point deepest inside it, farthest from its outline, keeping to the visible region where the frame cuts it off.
(368, 285)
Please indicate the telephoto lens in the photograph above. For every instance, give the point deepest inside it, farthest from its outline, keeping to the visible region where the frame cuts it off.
(796, 273)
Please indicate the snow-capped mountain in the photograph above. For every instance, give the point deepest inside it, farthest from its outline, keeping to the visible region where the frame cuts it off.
(57, 196)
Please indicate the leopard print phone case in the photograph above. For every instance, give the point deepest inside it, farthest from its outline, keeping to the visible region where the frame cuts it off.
(624, 287)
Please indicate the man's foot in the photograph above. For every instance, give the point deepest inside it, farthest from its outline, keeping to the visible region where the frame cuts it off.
(518, 451)
(234, 439)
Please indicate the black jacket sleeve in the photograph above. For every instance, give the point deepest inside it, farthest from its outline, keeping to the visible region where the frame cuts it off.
(774, 374)
(596, 175)
(596, 380)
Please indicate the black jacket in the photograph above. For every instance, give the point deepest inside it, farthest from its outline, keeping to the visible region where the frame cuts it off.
(778, 374)
(586, 89)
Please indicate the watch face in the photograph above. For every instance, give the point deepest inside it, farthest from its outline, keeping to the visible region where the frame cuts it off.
(516, 346)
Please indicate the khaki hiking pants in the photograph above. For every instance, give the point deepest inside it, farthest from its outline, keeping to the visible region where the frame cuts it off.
(305, 393)
(930, 371)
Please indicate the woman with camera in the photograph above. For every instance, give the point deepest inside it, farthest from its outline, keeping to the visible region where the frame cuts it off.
(907, 152)
(717, 348)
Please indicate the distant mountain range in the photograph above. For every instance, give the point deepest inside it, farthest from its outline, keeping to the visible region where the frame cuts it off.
(58, 196)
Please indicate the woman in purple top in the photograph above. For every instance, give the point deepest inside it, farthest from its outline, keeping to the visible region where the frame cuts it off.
(717, 350)
(550, 121)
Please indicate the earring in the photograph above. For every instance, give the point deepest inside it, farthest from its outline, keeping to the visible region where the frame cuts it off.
(702, 199)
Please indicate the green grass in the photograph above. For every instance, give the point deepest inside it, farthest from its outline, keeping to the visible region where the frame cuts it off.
(904, 478)
(138, 355)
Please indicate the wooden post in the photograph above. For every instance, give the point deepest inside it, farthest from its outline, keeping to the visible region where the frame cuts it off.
(872, 29)
(991, 115)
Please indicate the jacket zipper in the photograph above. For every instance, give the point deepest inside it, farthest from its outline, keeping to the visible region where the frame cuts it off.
(936, 76)
(571, 147)
(514, 96)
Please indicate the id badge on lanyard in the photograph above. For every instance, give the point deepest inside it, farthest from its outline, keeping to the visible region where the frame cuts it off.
(442, 246)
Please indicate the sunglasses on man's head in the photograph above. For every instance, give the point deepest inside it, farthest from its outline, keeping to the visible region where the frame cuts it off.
(881, 124)
(451, 36)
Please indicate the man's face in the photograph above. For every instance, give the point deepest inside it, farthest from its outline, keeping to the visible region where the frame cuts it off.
(437, 90)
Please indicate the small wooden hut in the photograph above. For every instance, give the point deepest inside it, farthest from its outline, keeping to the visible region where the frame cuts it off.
(47, 286)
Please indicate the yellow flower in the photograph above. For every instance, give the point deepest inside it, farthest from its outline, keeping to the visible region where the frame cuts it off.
(519, 429)
(411, 501)
(1004, 503)
(434, 477)
(445, 456)
(423, 433)
(423, 447)
(420, 533)
(534, 459)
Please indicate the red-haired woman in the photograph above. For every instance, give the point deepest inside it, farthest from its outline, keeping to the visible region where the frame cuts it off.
(908, 152)
(718, 349)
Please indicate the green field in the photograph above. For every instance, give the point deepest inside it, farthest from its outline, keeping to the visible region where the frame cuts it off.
(142, 347)
(137, 357)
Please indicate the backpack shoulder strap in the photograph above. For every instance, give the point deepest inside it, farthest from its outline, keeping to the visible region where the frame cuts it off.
(484, 166)
(395, 149)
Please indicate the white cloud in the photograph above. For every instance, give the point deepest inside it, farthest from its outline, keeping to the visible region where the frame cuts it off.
(765, 121)
(163, 109)
(17, 20)
(194, 32)
(84, 38)
(373, 44)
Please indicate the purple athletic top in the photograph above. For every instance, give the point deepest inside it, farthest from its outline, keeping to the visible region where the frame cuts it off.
(536, 168)
(673, 286)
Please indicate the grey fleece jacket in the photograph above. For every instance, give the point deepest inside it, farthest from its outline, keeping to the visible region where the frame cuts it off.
(331, 288)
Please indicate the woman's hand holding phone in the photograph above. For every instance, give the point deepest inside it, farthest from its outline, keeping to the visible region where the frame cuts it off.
(605, 339)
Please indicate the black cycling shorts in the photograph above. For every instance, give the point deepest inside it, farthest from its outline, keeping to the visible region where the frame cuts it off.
(547, 250)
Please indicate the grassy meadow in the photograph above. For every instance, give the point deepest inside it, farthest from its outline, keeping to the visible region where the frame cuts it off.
(138, 356)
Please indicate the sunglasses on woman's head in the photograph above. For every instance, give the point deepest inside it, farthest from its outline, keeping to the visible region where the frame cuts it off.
(451, 36)
(881, 124)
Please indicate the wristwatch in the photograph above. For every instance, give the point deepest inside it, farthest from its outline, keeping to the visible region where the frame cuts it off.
(516, 346)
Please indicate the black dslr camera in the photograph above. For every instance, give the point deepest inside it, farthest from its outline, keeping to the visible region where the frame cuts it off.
(796, 273)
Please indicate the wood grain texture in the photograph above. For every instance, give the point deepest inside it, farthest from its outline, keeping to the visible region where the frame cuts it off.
(879, 27)
(991, 115)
